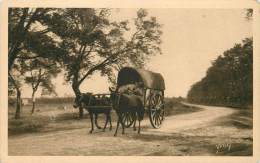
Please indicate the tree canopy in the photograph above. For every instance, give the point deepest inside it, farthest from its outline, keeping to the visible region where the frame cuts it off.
(28, 40)
(229, 81)
(82, 40)
(94, 43)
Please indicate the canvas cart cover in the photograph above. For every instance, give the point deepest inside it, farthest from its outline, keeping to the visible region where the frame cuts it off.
(129, 75)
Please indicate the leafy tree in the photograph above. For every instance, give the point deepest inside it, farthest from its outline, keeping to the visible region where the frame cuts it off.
(249, 13)
(27, 41)
(93, 43)
(21, 35)
(38, 73)
(229, 81)
(14, 85)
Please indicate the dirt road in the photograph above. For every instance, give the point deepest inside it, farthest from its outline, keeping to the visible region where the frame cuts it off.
(198, 133)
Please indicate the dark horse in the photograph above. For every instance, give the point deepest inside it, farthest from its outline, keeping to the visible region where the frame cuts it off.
(88, 99)
(123, 103)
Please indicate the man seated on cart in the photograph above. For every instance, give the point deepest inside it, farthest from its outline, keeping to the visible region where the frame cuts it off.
(135, 88)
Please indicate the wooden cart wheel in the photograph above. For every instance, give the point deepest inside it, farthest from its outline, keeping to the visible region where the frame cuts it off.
(128, 119)
(156, 110)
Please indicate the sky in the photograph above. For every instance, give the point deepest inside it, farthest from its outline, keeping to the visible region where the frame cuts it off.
(191, 40)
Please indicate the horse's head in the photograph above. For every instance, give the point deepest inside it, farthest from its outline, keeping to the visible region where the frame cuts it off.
(81, 99)
(114, 97)
(77, 101)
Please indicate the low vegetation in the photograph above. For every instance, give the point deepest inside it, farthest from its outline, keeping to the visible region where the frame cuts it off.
(242, 119)
(174, 106)
(60, 115)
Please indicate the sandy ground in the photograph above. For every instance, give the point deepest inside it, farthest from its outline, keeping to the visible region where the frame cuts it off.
(198, 133)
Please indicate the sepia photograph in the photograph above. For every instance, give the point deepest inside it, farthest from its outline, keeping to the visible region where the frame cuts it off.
(130, 81)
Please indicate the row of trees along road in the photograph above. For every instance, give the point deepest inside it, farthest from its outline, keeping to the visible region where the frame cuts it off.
(229, 81)
(80, 42)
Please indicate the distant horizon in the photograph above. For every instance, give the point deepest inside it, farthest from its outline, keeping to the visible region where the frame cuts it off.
(191, 40)
(72, 96)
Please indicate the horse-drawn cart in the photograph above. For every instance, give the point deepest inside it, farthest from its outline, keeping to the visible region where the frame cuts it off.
(149, 85)
(152, 87)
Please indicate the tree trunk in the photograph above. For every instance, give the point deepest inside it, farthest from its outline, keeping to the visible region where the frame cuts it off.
(11, 58)
(75, 87)
(18, 104)
(33, 102)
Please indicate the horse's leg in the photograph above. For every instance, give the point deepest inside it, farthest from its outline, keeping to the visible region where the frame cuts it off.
(106, 122)
(96, 117)
(110, 121)
(119, 117)
(92, 123)
(139, 128)
(123, 126)
(134, 121)
(139, 114)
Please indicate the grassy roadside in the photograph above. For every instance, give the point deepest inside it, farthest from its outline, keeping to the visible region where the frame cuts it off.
(241, 119)
(53, 117)
(173, 106)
